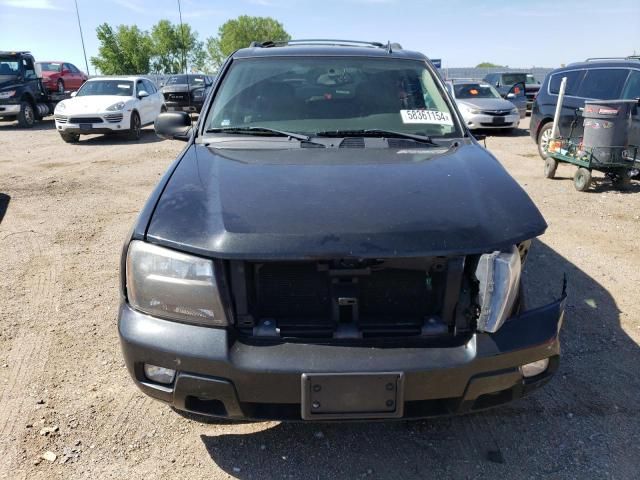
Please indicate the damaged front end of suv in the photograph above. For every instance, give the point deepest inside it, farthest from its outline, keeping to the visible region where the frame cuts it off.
(297, 263)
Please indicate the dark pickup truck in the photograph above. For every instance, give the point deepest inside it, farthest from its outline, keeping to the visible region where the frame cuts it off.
(22, 94)
(186, 92)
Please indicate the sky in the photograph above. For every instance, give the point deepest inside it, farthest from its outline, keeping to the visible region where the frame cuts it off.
(463, 33)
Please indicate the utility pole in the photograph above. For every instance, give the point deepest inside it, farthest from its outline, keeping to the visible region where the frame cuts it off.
(82, 38)
(184, 57)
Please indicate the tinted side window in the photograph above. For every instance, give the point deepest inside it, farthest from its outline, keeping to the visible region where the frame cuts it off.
(149, 87)
(573, 81)
(632, 88)
(73, 68)
(603, 84)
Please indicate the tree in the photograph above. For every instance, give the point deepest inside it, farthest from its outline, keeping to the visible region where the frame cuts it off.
(489, 65)
(175, 45)
(125, 51)
(239, 33)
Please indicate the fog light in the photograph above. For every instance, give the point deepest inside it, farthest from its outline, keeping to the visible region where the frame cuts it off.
(159, 374)
(534, 368)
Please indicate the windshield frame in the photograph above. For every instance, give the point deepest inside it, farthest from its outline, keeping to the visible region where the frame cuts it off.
(459, 126)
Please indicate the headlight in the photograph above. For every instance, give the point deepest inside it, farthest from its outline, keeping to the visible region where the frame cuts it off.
(7, 94)
(514, 111)
(173, 285)
(499, 276)
(116, 106)
(198, 93)
(59, 107)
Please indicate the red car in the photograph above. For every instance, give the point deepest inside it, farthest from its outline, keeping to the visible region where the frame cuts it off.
(61, 76)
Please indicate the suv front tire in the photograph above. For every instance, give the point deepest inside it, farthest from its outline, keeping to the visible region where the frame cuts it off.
(544, 136)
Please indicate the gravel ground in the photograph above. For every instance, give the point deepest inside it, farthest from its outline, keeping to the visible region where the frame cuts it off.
(65, 394)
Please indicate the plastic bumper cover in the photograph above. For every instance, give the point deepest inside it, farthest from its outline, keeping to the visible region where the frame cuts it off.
(219, 376)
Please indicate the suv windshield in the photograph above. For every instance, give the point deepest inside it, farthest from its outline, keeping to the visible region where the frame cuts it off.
(9, 66)
(310, 95)
(475, 90)
(122, 88)
(531, 80)
(513, 78)
(182, 79)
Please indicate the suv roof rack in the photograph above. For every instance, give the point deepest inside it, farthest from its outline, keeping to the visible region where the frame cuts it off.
(602, 59)
(327, 41)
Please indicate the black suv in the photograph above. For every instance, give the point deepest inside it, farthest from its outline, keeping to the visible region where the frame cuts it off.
(332, 243)
(596, 79)
(186, 92)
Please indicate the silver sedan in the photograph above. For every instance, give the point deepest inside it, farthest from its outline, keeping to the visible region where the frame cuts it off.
(482, 106)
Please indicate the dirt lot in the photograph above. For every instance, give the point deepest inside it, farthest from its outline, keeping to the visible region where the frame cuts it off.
(67, 209)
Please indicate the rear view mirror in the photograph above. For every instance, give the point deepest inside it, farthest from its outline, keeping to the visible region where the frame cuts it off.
(143, 93)
(173, 126)
(73, 94)
(511, 95)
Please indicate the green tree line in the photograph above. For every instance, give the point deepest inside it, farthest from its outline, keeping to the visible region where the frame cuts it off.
(171, 48)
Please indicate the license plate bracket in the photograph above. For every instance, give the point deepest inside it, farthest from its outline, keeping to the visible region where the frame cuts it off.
(333, 396)
(86, 126)
(498, 120)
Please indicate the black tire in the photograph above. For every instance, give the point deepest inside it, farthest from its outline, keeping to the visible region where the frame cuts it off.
(544, 135)
(27, 115)
(70, 137)
(550, 167)
(60, 88)
(622, 180)
(582, 179)
(135, 129)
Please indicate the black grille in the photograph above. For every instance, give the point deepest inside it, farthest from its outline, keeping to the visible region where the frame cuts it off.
(85, 120)
(496, 113)
(175, 96)
(304, 298)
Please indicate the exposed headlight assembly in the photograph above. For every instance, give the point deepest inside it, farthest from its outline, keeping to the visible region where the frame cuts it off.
(199, 93)
(7, 94)
(116, 106)
(173, 285)
(499, 276)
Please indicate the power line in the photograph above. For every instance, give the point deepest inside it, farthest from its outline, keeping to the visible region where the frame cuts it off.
(82, 39)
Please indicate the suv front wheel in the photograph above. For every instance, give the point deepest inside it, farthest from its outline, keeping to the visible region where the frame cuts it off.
(544, 137)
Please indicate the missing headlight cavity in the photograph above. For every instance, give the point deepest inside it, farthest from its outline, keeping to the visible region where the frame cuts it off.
(354, 299)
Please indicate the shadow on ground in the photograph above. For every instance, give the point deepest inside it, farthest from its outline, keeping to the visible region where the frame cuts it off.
(45, 124)
(4, 204)
(148, 135)
(579, 426)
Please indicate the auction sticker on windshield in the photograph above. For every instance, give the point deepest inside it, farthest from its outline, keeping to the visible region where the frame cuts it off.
(426, 116)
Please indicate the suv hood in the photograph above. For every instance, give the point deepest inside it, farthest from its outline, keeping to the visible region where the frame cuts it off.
(368, 203)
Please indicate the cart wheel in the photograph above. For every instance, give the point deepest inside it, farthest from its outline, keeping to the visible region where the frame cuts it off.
(622, 180)
(550, 166)
(582, 179)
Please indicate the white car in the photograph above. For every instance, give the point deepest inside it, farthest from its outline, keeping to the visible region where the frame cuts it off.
(109, 105)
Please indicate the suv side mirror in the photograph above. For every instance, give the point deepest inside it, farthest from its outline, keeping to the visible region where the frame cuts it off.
(173, 126)
(73, 94)
(142, 94)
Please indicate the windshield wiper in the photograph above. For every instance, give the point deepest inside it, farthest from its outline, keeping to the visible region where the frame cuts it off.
(376, 132)
(258, 131)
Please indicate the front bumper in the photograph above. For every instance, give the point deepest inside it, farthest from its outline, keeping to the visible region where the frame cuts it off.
(194, 106)
(86, 124)
(221, 376)
(9, 110)
(481, 120)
